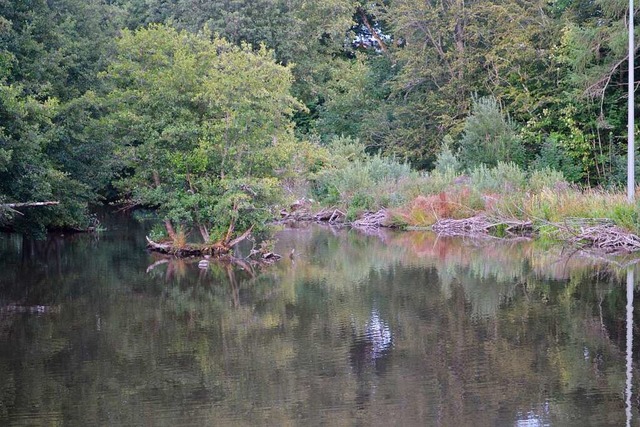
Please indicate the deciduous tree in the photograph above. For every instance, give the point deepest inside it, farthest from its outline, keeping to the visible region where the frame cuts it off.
(204, 128)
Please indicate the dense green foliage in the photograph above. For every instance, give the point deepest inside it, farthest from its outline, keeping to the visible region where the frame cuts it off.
(203, 127)
(226, 102)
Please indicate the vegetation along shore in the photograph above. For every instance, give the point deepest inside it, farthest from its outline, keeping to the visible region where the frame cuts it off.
(496, 118)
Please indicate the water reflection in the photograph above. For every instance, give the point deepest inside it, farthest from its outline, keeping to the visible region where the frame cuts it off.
(397, 328)
(629, 342)
(369, 347)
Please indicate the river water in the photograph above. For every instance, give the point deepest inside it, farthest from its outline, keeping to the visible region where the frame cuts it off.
(392, 329)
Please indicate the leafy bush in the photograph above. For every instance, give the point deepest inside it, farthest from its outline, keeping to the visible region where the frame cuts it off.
(555, 157)
(366, 183)
(438, 181)
(344, 150)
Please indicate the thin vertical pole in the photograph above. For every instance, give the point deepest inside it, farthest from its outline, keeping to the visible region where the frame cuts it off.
(630, 115)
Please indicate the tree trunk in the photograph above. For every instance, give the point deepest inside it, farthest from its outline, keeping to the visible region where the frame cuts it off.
(459, 39)
(204, 233)
(167, 223)
(372, 30)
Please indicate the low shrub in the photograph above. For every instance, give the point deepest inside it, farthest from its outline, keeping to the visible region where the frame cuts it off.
(546, 178)
(505, 177)
(489, 136)
(446, 158)
(366, 184)
(438, 181)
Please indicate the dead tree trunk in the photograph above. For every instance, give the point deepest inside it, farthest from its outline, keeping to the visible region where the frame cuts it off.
(28, 204)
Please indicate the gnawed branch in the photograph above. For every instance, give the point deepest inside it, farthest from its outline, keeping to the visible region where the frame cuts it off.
(232, 223)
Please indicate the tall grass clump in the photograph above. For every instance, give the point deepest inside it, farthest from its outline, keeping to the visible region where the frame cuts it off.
(569, 205)
(424, 211)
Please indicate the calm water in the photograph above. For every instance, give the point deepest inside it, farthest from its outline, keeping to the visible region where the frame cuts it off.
(401, 329)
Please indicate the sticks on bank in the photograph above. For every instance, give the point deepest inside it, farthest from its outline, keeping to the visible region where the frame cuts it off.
(371, 220)
(608, 238)
(481, 225)
(332, 216)
(596, 234)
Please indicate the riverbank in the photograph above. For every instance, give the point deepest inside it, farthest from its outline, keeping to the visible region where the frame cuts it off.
(580, 218)
(568, 215)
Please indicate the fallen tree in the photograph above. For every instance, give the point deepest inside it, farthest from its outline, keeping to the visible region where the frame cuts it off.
(29, 204)
(13, 207)
(217, 249)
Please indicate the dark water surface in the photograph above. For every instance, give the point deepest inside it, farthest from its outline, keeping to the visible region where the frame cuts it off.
(399, 329)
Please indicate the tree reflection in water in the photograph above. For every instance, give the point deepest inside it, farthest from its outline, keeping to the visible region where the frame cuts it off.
(406, 329)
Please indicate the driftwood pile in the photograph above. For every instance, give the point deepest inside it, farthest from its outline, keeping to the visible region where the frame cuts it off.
(462, 227)
(601, 235)
(607, 238)
(371, 220)
(332, 216)
(481, 225)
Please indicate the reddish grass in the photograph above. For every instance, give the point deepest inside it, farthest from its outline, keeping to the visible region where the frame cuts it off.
(426, 210)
